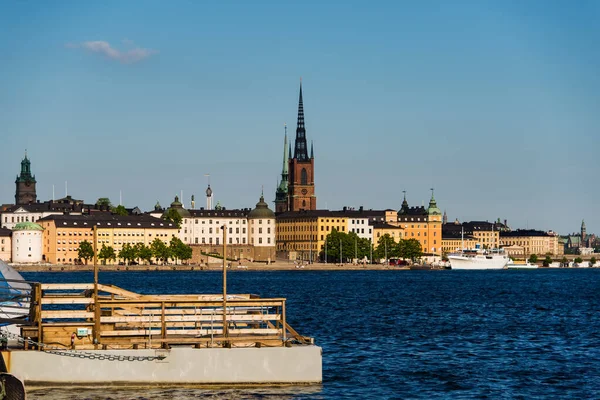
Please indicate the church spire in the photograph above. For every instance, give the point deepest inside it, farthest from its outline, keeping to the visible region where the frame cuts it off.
(312, 150)
(300, 151)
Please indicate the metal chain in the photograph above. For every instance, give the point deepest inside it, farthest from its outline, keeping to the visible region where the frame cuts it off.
(80, 354)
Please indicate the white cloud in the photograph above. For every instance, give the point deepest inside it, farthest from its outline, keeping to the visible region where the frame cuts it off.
(129, 56)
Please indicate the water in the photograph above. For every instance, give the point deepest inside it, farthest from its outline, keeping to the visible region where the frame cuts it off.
(409, 334)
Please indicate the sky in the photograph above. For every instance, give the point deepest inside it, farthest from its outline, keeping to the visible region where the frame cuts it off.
(495, 104)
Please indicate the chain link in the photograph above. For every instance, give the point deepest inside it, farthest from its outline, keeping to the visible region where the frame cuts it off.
(80, 354)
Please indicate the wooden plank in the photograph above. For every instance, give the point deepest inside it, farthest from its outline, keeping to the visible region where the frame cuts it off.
(191, 303)
(66, 300)
(67, 314)
(144, 332)
(67, 286)
(191, 318)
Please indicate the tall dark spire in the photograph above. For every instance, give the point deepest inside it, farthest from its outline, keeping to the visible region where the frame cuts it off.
(300, 151)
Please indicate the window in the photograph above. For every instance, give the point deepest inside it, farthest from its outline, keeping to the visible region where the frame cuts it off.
(303, 177)
(260, 240)
(268, 240)
(268, 230)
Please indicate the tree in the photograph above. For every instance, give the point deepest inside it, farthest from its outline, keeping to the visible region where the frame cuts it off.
(564, 262)
(103, 203)
(106, 254)
(160, 251)
(547, 261)
(119, 210)
(143, 252)
(578, 260)
(386, 247)
(412, 249)
(179, 250)
(533, 258)
(173, 216)
(592, 261)
(85, 251)
(127, 253)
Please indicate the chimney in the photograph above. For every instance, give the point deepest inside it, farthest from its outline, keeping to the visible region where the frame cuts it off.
(360, 208)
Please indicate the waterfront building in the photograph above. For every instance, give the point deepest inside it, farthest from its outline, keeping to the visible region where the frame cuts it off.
(484, 233)
(422, 224)
(35, 211)
(300, 172)
(261, 222)
(27, 243)
(64, 233)
(5, 244)
(532, 242)
(25, 192)
(383, 228)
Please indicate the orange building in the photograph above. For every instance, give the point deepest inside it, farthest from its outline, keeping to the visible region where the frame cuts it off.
(422, 224)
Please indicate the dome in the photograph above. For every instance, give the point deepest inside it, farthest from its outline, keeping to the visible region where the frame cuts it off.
(209, 191)
(177, 206)
(261, 211)
(27, 226)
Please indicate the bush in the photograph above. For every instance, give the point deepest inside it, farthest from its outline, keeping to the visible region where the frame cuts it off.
(578, 260)
(533, 258)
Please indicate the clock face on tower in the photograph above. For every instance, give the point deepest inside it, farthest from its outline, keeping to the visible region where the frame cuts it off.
(304, 191)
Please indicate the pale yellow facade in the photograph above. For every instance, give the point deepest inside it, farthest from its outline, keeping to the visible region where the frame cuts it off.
(454, 245)
(5, 248)
(539, 245)
(379, 230)
(63, 235)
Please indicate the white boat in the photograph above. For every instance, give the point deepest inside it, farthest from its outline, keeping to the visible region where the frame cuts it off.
(521, 265)
(478, 259)
(14, 299)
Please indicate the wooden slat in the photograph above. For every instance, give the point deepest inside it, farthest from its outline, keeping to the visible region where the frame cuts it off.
(66, 300)
(192, 318)
(144, 332)
(67, 286)
(67, 314)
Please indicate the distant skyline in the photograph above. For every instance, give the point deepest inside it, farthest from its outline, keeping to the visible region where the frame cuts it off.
(494, 104)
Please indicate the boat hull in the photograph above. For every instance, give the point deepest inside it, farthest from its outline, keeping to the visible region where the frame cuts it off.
(181, 366)
(478, 262)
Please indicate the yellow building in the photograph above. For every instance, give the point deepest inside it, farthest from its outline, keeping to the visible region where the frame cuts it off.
(63, 234)
(422, 224)
(383, 228)
(532, 242)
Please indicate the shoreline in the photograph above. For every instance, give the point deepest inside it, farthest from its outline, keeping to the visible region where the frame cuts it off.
(276, 266)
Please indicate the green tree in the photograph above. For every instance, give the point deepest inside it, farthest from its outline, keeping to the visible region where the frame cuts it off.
(578, 260)
(103, 202)
(533, 258)
(119, 210)
(143, 252)
(386, 247)
(85, 251)
(160, 251)
(179, 250)
(547, 261)
(127, 253)
(564, 262)
(106, 254)
(412, 249)
(592, 261)
(173, 216)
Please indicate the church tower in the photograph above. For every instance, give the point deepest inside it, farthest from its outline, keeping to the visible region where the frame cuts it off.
(301, 183)
(25, 193)
(281, 195)
(583, 233)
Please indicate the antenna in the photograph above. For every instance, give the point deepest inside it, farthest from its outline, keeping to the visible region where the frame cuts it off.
(52, 192)
(120, 198)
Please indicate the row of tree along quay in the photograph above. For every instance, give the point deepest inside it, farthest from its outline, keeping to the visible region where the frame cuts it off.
(139, 252)
(341, 247)
(533, 258)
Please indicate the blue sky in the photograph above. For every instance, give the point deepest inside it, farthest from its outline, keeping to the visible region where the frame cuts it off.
(493, 103)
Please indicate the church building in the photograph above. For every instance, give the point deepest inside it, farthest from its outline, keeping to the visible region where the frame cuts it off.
(25, 193)
(296, 191)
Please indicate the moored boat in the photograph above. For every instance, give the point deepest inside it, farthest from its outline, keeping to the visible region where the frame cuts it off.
(521, 265)
(478, 259)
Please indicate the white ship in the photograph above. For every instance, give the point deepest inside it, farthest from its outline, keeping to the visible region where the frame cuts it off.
(521, 265)
(478, 259)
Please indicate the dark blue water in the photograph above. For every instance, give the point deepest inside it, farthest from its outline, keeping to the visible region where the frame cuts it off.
(410, 334)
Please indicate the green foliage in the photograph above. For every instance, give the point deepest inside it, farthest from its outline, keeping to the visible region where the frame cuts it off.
(160, 251)
(352, 247)
(411, 249)
(85, 251)
(578, 260)
(127, 253)
(592, 261)
(179, 250)
(386, 247)
(564, 260)
(119, 210)
(143, 252)
(104, 202)
(533, 258)
(107, 254)
(547, 261)
(173, 216)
